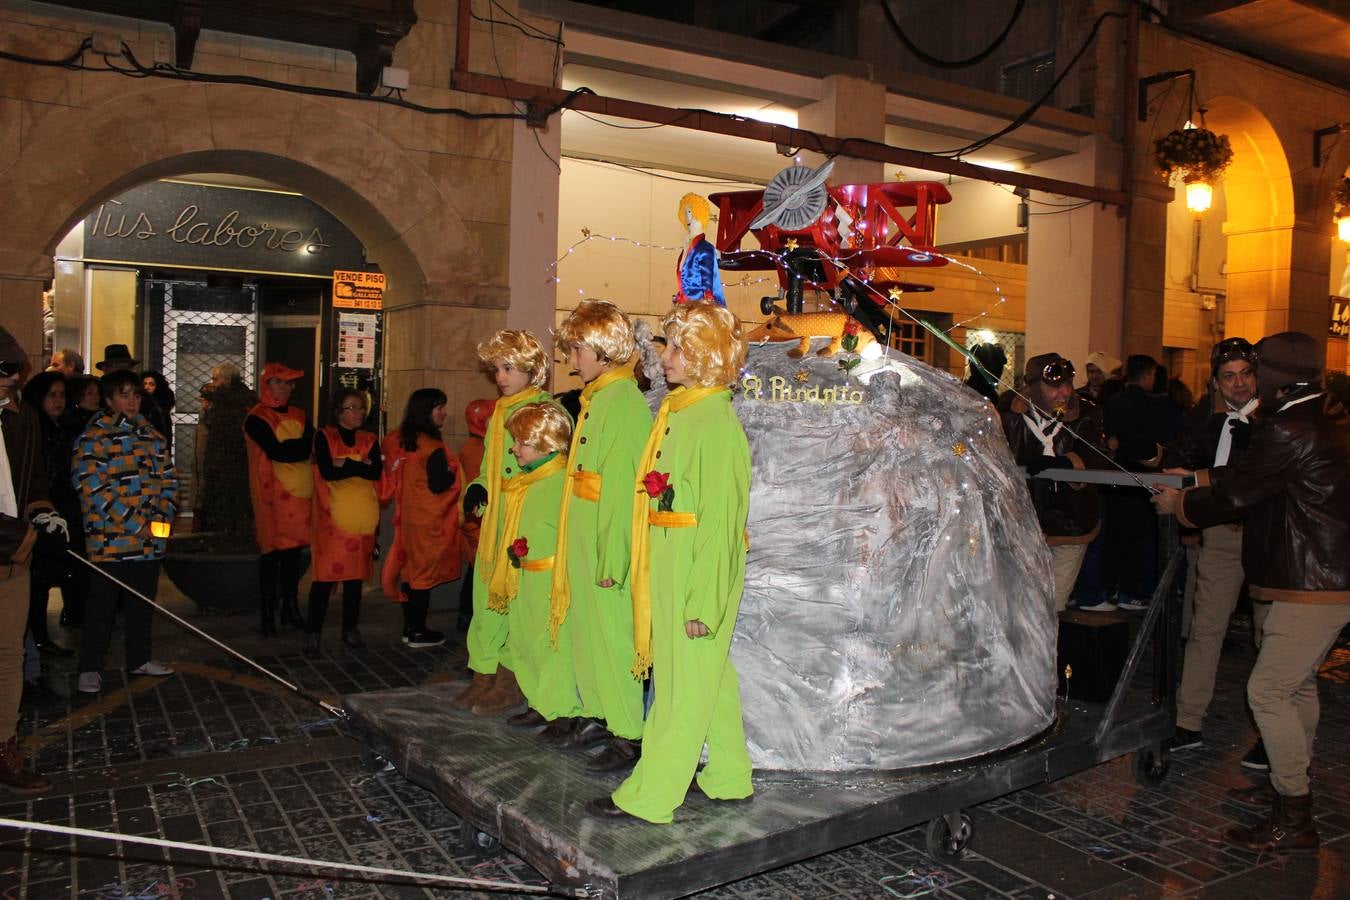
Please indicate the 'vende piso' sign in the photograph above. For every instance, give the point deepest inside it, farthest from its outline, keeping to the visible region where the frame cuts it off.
(201, 226)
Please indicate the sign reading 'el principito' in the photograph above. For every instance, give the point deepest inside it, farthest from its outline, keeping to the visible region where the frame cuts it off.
(358, 290)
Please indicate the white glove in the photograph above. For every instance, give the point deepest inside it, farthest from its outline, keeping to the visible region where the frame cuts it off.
(51, 523)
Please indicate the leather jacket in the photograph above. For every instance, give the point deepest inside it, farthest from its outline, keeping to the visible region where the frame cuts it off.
(1291, 491)
(1068, 513)
(23, 445)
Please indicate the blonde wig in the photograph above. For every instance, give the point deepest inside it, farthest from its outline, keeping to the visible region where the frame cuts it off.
(712, 342)
(519, 348)
(544, 426)
(698, 205)
(601, 327)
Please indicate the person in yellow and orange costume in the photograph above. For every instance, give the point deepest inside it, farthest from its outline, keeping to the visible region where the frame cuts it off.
(423, 478)
(519, 367)
(522, 575)
(279, 439)
(590, 583)
(691, 501)
(346, 516)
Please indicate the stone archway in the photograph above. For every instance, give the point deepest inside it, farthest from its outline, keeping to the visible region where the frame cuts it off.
(448, 282)
(1262, 291)
(332, 152)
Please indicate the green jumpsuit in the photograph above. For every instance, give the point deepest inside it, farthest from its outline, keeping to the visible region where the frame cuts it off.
(613, 427)
(487, 631)
(543, 672)
(698, 573)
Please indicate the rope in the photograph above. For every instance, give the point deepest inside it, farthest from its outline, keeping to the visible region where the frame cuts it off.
(337, 711)
(448, 880)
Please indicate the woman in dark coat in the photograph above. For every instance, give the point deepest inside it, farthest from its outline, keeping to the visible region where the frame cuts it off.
(46, 392)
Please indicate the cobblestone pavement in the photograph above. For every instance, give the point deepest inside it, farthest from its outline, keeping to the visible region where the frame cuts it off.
(217, 754)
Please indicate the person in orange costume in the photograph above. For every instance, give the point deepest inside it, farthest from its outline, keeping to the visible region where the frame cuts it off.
(423, 478)
(476, 416)
(346, 516)
(279, 439)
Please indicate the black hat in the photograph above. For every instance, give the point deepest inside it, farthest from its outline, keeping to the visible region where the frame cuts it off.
(1289, 357)
(116, 356)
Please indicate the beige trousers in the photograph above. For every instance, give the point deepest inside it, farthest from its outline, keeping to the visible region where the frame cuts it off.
(1218, 581)
(1065, 561)
(13, 623)
(1282, 690)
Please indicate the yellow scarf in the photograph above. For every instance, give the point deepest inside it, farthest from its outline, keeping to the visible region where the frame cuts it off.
(562, 593)
(505, 581)
(639, 580)
(493, 450)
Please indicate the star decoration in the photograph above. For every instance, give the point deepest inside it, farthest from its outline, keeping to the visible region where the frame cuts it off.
(585, 232)
(800, 376)
(960, 448)
(790, 244)
(895, 294)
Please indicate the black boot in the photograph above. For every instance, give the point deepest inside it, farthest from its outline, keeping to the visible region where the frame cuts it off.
(267, 625)
(290, 614)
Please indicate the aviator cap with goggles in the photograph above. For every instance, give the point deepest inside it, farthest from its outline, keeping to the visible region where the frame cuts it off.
(1231, 350)
(1050, 368)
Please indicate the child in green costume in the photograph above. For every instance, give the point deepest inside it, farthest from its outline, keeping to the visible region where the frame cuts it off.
(519, 366)
(522, 577)
(688, 569)
(590, 582)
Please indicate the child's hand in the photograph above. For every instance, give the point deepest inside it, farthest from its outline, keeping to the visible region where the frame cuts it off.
(696, 629)
(607, 583)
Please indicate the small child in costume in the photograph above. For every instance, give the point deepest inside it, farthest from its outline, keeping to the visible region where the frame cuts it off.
(519, 366)
(522, 575)
(692, 497)
(590, 582)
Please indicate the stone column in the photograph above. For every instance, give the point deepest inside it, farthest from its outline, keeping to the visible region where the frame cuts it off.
(1074, 277)
(21, 314)
(850, 107)
(1277, 280)
(534, 227)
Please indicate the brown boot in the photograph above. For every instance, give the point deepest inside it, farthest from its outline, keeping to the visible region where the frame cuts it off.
(480, 685)
(1288, 829)
(505, 694)
(14, 776)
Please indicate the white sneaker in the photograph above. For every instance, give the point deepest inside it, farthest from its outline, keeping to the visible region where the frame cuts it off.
(90, 682)
(152, 667)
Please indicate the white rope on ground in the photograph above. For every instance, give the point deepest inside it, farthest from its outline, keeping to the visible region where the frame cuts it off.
(311, 864)
(327, 707)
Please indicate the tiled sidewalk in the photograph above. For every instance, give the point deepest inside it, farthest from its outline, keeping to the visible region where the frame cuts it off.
(216, 754)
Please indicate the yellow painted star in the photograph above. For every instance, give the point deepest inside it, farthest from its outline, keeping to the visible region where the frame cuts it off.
(960, 448)
(790, 244)
(895, 294)
(800, 376)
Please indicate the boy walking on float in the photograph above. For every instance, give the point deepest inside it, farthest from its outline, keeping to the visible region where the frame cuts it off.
(591, 597)
(688, 569)
(519, 367)
(519, 584)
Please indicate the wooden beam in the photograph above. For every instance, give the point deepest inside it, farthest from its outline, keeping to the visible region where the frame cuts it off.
(542, 97)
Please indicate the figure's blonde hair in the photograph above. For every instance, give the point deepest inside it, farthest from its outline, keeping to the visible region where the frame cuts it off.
(712, 342)
(601, 327)
(698, 205)
(519, 348)
(544, 426)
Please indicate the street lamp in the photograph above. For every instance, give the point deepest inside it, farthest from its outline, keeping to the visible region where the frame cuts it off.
(1199, 197)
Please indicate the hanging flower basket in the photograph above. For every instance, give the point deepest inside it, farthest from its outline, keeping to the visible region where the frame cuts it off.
(1196, 154)
(1340, 198)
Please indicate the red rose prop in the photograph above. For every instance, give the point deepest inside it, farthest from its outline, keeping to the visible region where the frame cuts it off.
(518, 550)
(656, 483)
(852, 328)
